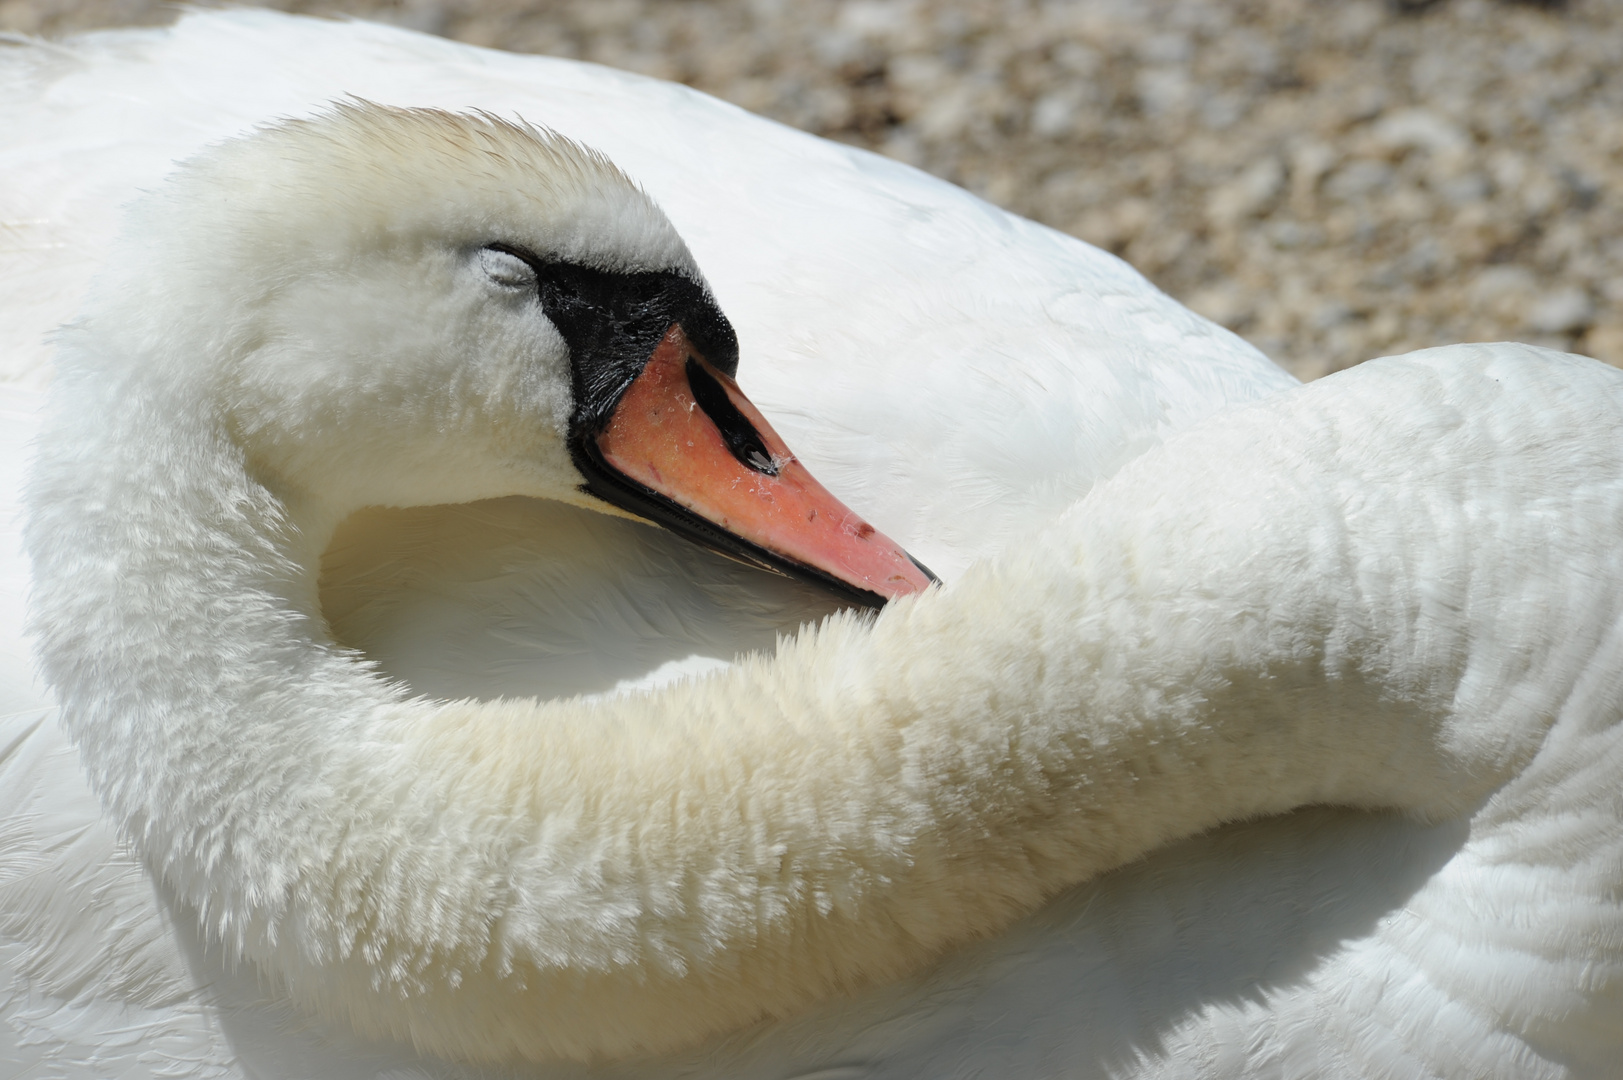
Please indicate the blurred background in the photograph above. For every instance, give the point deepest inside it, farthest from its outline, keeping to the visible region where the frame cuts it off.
(1333, 179)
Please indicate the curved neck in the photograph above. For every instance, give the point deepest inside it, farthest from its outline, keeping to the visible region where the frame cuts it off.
(583, 878)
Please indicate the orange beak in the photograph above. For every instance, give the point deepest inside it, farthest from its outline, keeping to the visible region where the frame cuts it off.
(686, 449)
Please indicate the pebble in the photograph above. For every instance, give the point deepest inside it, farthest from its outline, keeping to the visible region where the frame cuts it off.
(1564, 311)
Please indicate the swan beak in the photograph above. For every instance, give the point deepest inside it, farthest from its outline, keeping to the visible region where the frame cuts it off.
(686, 449)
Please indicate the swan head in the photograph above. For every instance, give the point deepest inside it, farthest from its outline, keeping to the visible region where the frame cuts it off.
(406, 307)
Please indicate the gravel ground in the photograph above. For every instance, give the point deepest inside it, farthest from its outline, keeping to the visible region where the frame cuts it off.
(1334, 179)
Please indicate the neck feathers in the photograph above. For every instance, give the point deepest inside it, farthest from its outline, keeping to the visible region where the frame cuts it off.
(1254, 618)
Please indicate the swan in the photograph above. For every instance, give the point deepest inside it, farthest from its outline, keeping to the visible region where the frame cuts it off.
(1489, 751)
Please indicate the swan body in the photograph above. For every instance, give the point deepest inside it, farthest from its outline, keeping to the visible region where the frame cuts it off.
(1394, 589)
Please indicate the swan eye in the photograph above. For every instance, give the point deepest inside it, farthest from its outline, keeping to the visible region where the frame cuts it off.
(506, 269)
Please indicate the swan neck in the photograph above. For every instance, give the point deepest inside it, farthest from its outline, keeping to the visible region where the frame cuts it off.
(585, 878)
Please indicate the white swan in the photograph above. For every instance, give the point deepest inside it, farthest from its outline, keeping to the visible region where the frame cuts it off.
(1209, 563)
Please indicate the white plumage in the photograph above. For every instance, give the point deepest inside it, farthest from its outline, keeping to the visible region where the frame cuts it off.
(1397, 588)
